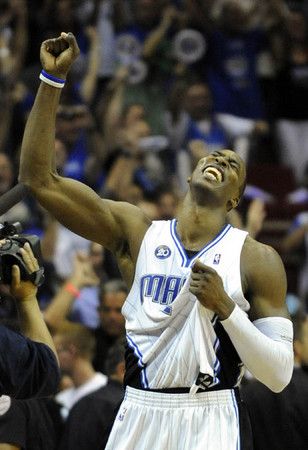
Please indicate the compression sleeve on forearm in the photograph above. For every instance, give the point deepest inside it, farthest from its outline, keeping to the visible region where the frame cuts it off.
(265, 347)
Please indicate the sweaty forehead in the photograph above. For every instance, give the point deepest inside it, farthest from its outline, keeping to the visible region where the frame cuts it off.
(230, 154)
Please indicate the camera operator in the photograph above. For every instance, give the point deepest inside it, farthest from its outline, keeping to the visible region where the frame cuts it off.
(28, 360)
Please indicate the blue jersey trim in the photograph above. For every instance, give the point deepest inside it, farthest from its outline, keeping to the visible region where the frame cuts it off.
(137, 352)
(238, 441)
(141, 364)
(216, 346)
(211, 244)
(177, 241)
(144, 380)
(188, 262)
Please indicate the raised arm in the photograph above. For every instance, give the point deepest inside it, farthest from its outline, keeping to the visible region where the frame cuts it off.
(114, 111)
(155, 38)
(118, 226)
(89, 82)
(294, 238)
(57, 311)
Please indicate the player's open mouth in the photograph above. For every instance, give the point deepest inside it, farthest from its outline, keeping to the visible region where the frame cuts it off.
(213, 173)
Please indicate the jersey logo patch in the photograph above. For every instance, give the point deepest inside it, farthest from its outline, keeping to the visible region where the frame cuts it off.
(122, 414)
(216, 259)
(204, 381)
(162, 252)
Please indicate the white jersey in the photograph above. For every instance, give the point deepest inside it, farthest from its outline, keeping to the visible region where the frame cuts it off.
(173, 340)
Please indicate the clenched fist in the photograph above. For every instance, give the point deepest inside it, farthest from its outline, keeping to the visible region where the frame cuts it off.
(58, 54)
(208, 287)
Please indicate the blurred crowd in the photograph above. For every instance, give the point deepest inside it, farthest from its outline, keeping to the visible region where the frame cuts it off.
(158, 85)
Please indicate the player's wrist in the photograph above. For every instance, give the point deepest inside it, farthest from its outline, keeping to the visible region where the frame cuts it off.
(226, 309)
(52, 80)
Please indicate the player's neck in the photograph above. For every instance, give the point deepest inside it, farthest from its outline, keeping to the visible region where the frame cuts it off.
(197, 226)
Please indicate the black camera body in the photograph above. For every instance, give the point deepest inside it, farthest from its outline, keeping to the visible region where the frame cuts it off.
(10, 254)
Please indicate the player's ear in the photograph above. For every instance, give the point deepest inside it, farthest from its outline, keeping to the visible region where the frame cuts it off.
(188, 179)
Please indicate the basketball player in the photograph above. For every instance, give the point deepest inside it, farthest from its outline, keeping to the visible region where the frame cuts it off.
(196, 286)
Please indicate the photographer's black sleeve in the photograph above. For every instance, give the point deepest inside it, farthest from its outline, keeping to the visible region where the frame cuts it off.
(27, 368)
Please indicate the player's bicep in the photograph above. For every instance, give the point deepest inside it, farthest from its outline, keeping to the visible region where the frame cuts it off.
(266, 282)
(80, 209)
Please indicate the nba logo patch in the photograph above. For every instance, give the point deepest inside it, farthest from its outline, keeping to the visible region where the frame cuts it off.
(122, 414)
(217, 258)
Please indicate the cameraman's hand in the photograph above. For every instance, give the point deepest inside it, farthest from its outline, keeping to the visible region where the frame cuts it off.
(58, 54)
(24, 290)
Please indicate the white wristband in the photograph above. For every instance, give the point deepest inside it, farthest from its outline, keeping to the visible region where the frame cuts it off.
(51, 80)
(265, 348)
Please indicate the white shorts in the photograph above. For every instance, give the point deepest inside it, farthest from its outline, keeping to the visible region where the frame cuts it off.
(160, 421)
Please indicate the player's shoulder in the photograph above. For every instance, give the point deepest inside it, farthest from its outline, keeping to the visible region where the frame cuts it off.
(134, 211)
(257, 257)
(121, 207)
(130, 217)
(253, 247)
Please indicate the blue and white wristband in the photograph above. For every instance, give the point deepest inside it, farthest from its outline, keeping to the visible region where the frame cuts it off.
(52, 81)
